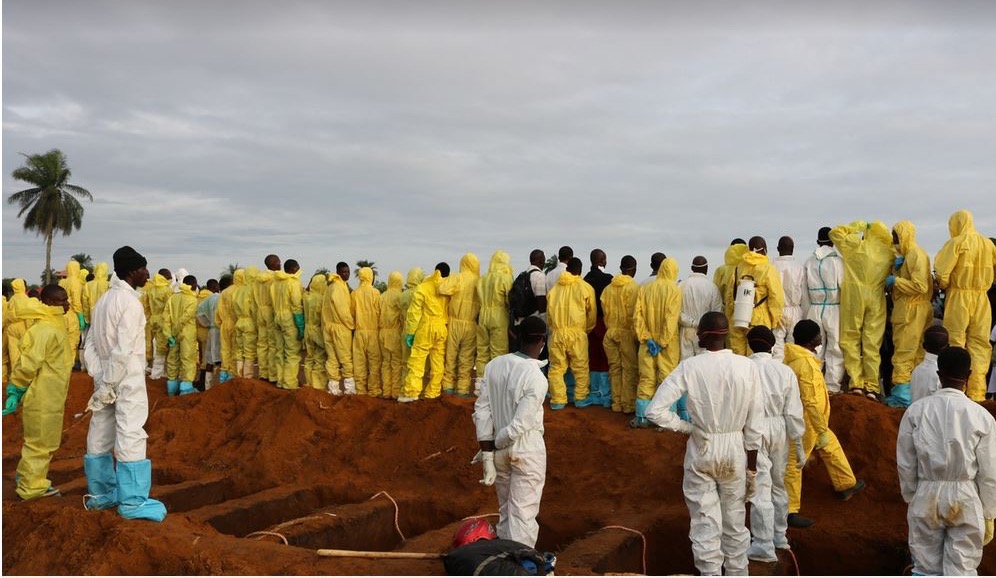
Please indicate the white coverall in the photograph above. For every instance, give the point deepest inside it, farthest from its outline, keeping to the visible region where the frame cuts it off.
(726, 410)
(509, 411)
(946, 456)
(796, 287)
(924, 380)
(115, 357)
(699, 295)
(824, 273)
(782, 422)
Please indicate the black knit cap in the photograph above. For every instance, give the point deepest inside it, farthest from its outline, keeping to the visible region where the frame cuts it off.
(127, 260)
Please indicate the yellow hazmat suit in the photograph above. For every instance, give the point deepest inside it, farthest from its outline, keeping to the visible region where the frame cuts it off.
(769, 297)
(314, 343)
(265, 345)
(492, 322)
(74, 287)
(426, 319)
(244, 307)
(912, 313)
(337, 328)
(461, 339)
(366, 341)
(44, 369)
(94, 290)
(6, 356)
(816, 414)
(180, 323)
(225, 319)
(285, 295)
(723, 278)
(17, 325)
(158, 293)
(964, 268)
(391, 324)
(867, 263)
(202, 331)
(656, 316)
(572, 314)
(621, 343)
(143, 298)
(415, 278)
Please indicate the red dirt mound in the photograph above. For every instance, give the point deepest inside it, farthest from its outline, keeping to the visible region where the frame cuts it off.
(245, 467)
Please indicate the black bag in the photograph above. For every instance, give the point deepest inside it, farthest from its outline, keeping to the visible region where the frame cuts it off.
(493, 558)
(521, 300)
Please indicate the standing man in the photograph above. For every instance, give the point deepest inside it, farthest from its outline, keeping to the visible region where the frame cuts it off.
(115, 350)
(391, 323)
(288, 319)
(158, 293)
(265, 334)
(493, 320)
(564, 255)
(572, 316)
(244, 307)
(964, 269)
(366, 341)
(655, 263)
(912, 288)
(725, 412)
(769, 296)
(74, 287)
(414, 279)
(796, 288)
(508, 417)
(699, 296)
(95, 289)
(621, 344)
(723, 277)
(337, 329)
(655, 319)
(206, 309)
(425, 334)
(824, 274)
(461, 337)
(598, 363)
(225, 319)
(180, 334)
(314, 342)
(946, 456)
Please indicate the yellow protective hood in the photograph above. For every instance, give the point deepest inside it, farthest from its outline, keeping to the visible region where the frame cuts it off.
(72, 270)
(752, 258)
(567, 278)
(469, 263)
(500, 263)
(318, 284)
(623, 279)
(280, 275)
(366, 276)
(18, 286)
(264, 276)
(252, 273)
(961, 223)
(34, 309)
(100, 271)
(906, 232)
(734, 254)
(415, 277)
(395, 280)
(203, 294)
(239, 278)
(668, 270)
(187, 290)
(794, 352)
(83, 275)
(160, 281)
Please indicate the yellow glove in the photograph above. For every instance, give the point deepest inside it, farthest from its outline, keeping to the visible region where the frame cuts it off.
(823, 440)
(988, 537)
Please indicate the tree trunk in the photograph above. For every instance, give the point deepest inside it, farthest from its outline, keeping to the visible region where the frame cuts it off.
(48, 257)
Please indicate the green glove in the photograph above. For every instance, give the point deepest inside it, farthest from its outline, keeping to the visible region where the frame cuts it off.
(82, 320)
(299, 321)
(14, 395)
(410, 340)
(171, 341)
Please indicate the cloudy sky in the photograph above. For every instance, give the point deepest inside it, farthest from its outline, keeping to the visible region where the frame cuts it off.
(411, 132)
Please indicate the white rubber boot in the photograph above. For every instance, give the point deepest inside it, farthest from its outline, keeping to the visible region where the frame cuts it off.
(478, 384)
(333, 387)
(240, 368)
(208, 380)
(158, 367)
(349, 385)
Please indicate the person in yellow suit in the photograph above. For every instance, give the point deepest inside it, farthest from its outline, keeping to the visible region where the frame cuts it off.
(655, 319)
(621, 343)
(572, 314)
(425, 334)
(769, 295)
(265, 330)
(314, 342)
(41, 378)
(288, 318)
(866, 249)
(390, 327)
(157, 296)
(414, 279)
(225, 319)
(365, 302)
(964, 269)
(802, 360)
(180, 334)
(912, 288)
(95, 289)
(337, 330)
(461, 336)
(723, 277)
(493, 319)
(16, 325)
(6, 320)
(74, 287)
(244, 307)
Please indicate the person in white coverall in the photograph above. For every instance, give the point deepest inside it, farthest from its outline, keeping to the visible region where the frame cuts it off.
(699, 295)
(783, 430)
(508, 416)
(115, 358)
(946, 457)
(726, 412)
(796, 288)
(824, 273)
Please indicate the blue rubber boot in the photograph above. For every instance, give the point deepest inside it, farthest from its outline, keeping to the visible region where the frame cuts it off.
(172, 387)
(640, 420)
(101, 482)
(134, 484)
(604, 387)
(187, 387)
(900, 396)
(569, 382)
(224, 376)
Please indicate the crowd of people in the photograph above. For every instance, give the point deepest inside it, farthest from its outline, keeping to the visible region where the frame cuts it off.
(744, 362)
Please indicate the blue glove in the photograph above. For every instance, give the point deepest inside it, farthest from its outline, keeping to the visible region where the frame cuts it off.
(171, 341)
(14, 395)
(653, 348)
(82, 320)
(299, 321)
(899, 261)
(410, 340)
(890, 281)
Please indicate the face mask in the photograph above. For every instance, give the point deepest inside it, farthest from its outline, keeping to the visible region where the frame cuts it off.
(819, 351)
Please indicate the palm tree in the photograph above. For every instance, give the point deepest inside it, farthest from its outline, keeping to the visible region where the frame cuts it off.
(230, 270)
(551, 263)
(364, 263)
(322, 271)
(85, 261)
(50, 204)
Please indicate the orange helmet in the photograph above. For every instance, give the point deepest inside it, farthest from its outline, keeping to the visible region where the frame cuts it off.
(472, 531)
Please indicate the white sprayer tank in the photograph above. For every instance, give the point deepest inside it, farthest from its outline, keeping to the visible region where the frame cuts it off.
(743, 302)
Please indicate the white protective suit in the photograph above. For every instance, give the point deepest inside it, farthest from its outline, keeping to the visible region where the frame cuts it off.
(115, 358)
(924, 380)
(796, 287)
(782, 422)
(946, 456)
(726, 410)
(824, 273)
(509, 411)
(699, 295)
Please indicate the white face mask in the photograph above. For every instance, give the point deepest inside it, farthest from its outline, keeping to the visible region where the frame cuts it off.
(819, 351)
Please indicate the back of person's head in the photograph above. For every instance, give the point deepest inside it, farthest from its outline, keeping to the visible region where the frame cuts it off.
(757, 244)
(597, 257)
(190, 280)
(565, 254)
(574, 266)
(91, 277)
(954, 363)
(713, 321)
(786, 245)
(532, 330)
(212, 285)
(224, 282)
(537, 257)
(166, 273)
(627, 263)
(935, 339)
(700, 264)
(760, 339)
(823, 237)
(52, 294)
(443, 268)
(738, 241)
(805, 332)
(291, 266)
(656, 259)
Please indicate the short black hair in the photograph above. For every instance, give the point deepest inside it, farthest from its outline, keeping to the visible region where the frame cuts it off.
(443, 269)
(341, 264)
(738, 241)
(935, 338)
(628, 262)
(531, 330)
(50, 292)
(574, 265)
(955, 362)
(190, 280)
(805, 331)
(290, 264)
(211, 284)
(565, 253)
(225, 281)
(761, 339)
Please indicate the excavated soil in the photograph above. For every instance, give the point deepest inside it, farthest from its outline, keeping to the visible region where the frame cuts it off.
(303, 466)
